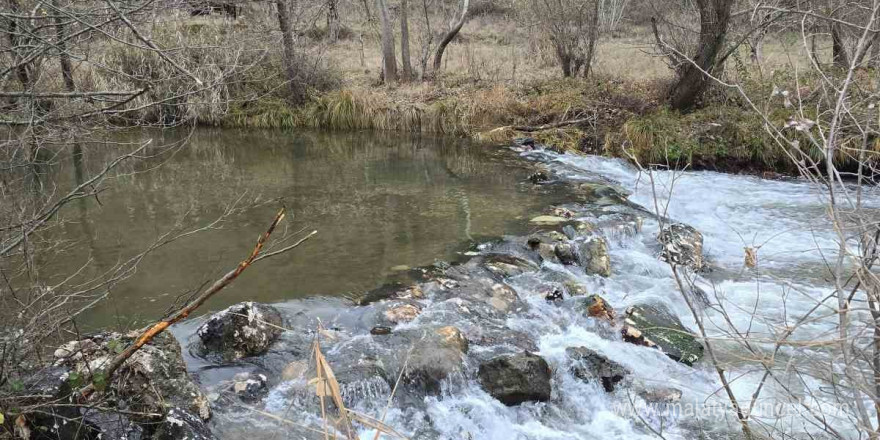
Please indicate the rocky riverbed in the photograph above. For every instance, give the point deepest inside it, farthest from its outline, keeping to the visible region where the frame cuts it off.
(521, 338)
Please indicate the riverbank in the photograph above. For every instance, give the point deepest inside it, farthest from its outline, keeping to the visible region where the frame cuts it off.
(601, 115)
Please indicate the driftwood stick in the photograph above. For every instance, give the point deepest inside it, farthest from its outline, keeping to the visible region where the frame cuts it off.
(183, 313)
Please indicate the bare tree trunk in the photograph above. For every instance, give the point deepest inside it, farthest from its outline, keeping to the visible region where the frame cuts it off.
(332, 21)
(297, 94)
(838, 50)
(438, 55)
(63, 55)
(594, 37)
(13, 33)
(429, 37)
(389, 63)
(692, 82)
(405, 61)
(564, 60)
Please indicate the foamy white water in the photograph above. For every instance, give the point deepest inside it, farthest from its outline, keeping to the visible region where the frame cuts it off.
(786, 219)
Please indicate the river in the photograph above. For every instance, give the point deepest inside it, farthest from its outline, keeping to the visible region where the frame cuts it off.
(384, 203)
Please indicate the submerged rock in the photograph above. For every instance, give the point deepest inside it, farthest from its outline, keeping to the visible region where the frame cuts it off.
(660, 394)
(589, 366)
(538, 177)
(593, 254)
(250, 387)
(400, 313)
(295, 370)
(656, 325)
(548, 220)
(566, 253)
(243, 330)
(503, 297)
(438, 354)
(518, 378)
(380, 330)
(682, 245)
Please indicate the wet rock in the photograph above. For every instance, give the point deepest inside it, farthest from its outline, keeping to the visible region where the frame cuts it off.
(566, 253)
(538, 177)
(589, 365)
(503, 297)
(563, 212)
(556, 236)
(380, 330)
(508, 265)
(554, 294)
(596, 307)
(400, 313)
(150, 382)
(524, 142)
(518, 378)
(295, 370)
(682, 245)
(181, 424)
(437, 355)
(654, 324)
(153, 379)
(548, 220)
(574, 288)
(75, 350)
(243, 330)
(593, 254)
(660, 394)
(250, 387)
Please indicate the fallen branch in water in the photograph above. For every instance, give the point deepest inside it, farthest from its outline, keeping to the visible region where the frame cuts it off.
(184, 312)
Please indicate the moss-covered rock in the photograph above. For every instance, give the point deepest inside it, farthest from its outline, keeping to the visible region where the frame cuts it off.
(656, 325)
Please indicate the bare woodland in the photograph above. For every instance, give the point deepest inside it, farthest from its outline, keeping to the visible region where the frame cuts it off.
(72, 73)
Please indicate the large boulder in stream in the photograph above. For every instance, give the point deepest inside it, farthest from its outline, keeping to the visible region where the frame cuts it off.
(517, 378)
(655, 325)
(150, 387)
(589, 366)
(593, 255)
(682, 245)
(242, 330)
(438, 354)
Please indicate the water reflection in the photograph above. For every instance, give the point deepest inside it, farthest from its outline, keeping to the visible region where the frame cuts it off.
(377, 200)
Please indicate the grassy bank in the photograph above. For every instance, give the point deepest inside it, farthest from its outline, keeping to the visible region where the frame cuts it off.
(617, 118)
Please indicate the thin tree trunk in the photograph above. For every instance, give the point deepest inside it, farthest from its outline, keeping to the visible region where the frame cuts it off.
(63, 55)
(692, 82)
(405, 61)
(838, 50)
(438, 55)
(389, 63)
(332, 21)
(297, 94)
(429, 37)
(594, 37)
(13, 33)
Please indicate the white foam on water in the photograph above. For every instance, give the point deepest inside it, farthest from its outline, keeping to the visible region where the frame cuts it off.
(788, 221)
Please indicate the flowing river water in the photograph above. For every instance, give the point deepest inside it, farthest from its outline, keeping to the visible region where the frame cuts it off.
(382, 202)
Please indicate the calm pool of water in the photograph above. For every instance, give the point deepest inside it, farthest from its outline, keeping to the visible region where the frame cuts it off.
(378, 202)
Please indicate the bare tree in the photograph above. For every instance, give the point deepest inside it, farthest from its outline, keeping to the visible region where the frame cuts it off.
(571, 28)
(405, 60)
(450, 35)
(389, 62)
(294, 81)
(332, 20)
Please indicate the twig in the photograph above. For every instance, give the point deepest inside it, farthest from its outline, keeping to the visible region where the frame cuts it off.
(183, 313)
